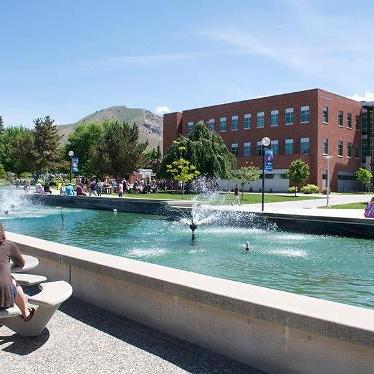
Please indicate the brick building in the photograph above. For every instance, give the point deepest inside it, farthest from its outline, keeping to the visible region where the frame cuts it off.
(307, 124)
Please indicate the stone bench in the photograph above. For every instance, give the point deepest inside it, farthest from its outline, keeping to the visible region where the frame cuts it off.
(52, 295)
(28, 279)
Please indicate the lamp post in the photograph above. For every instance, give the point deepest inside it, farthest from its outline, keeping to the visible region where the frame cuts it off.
(265, 142)
(71, 154)
(327, 158)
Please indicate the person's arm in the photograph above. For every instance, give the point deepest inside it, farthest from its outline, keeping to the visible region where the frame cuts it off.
(15, 255)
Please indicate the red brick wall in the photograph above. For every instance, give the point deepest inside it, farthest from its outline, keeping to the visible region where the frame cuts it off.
(176, 123)
(335, 133)
(172, 127)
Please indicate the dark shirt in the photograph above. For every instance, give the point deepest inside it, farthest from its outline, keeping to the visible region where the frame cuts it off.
(8, 251)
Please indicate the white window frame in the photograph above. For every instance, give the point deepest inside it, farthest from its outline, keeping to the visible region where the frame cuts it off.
(260, 114)
(247, 116)
(303, 140)
(235, 118)
(237, 147)
(287, 111)
(247, 145)
(274, 112)
(288, 141)
(303, 109)
(222, 119)
(190, 126)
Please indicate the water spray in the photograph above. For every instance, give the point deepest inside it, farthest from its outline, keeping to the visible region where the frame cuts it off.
(247, 246)
(193, 227)
(114, 211)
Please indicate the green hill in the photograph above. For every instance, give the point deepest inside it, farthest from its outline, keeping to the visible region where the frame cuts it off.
(150, 124)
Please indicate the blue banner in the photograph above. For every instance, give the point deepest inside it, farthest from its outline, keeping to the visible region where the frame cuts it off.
(74, 164)
(269, 158)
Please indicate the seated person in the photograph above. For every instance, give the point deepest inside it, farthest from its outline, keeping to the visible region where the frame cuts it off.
(369, 210)
(79, 190)
(10, 293)
(69, 190)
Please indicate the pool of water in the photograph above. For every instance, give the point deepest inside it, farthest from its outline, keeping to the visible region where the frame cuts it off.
(333, 268)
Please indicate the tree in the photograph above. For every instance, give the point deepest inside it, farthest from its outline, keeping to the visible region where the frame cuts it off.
(84, 141)
(46, 143)
(120, 151)
(364, 176)
(203, 148)
(21, 151)
(298, 173)
(246, 174)
(182, 171)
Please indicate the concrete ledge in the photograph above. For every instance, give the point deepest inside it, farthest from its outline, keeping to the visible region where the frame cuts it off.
(274, 331)
(137, 205)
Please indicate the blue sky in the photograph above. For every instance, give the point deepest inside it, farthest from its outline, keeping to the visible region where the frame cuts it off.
(70, 58)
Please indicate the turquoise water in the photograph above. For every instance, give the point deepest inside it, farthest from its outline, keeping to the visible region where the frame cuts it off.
(333, 268)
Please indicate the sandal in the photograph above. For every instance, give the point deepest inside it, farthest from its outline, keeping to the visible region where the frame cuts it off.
(32, 311)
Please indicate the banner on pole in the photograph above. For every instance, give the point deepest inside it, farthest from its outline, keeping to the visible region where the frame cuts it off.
(269, 159)
(74, 164)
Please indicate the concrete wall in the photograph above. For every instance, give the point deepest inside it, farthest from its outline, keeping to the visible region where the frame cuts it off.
(275, 331)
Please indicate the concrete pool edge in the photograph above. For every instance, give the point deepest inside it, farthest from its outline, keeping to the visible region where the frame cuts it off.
(267, 328)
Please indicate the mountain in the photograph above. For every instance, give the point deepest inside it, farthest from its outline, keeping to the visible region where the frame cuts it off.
(149, 123)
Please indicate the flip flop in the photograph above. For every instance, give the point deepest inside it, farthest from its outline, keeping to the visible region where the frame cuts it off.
(32, 311)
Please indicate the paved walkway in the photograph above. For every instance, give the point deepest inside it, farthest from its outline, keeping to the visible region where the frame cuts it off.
(84, 339)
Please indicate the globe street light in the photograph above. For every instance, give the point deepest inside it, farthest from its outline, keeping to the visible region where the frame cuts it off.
(265, 142)
(327, 158)
(71, 154)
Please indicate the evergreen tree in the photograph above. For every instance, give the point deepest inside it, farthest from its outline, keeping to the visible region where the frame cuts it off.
(204, 149)
(46, 144)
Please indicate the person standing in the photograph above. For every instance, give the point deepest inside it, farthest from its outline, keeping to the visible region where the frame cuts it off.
(369, 210)
(92, 187)
(99, 187)
(120, 188)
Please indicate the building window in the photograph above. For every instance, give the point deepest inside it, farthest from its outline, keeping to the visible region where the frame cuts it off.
(259, 148)
(247, 121)
(222, 124)
(212, 124)
(275, 147)
(349, 150)
(304, 145)
(340, 148)
(288, 146)
(325, 146)
(289, 116)
(234, 123)
(340, 118)
(260, 119)
(325, 114)
(235, 149)
(357, 152)
(304, 114)
(189, 127)
(247, 149)
(357, 122)
(274, 118)
(349, 120)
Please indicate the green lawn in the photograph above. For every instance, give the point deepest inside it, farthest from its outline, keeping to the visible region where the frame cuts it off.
(347, 206)
(248, 198)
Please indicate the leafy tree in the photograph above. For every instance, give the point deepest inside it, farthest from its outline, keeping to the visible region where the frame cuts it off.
(46, 143)
(364, 176)
(84, 141)
(203, 148)
(298, 173)
(21, 151)
(182, 171)
(2, 171)
(246, 174)
(120, 151)
(1, 126)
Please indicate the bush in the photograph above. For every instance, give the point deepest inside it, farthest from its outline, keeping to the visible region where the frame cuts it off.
(292, 189)
(310, 188)
(25, 175)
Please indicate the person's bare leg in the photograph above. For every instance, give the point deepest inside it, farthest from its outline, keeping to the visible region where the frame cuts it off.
(22, 302)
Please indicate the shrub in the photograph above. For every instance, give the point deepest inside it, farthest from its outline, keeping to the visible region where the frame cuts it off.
(292, 189)
(310, 188)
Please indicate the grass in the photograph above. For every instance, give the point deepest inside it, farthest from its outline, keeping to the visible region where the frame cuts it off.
(248, 198)
(347, 206)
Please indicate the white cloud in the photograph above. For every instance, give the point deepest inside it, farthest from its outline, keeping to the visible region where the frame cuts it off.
(367, 96)
(162, 109)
